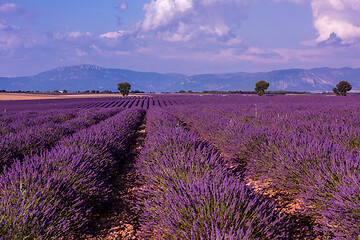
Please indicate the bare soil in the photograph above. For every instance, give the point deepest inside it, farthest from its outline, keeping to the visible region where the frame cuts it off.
(120, 221)
(301, 227)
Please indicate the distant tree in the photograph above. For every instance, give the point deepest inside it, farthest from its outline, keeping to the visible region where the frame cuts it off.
(182, 91)
(336, 91)
(342, 87)
(3, 90)
(261, 86)
(124, 88)
(137, 91)
(93, 91)
(64, 91)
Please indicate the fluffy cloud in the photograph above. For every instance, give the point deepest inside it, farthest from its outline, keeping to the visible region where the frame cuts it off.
(122, 6)
(182, 20)
(337, 19)
(10, 14)
(113, 34)
(11, 36)
(12, 10)
(163, 12)
(7, 12)
(190, 36)
(72, 35)
(9, 8)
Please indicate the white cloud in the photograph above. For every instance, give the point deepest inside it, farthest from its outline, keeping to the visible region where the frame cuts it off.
(123, 6)
(71, 35)
(8, 7)
(116, 34)
(15, 11)
(3, 26)
(81, 53)
(96, 48)
(181, 20)
(339, 17)
(334, 19)
(235, 41)
(255, 50)
(75, 34)
(10, 42)
(160, 13)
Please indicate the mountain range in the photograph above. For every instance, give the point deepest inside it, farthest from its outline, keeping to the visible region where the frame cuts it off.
(91, 77)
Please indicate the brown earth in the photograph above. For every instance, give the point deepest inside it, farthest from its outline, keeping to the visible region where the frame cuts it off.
(29, 96)
(121, 220)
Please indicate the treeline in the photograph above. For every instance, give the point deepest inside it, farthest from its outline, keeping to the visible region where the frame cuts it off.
(181, 91)
(65, 91)
(56, 91)
(244, 92)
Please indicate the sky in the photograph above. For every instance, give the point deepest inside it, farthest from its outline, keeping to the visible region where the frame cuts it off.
(178, 36)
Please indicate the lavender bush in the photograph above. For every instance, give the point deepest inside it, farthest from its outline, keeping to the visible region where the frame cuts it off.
(51, 195)
(36, 138)
(15, 122)
(331, 193)
(304, 149)
(191, 194)
(293, 144)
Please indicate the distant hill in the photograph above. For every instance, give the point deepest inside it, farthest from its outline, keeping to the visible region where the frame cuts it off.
(89, 77)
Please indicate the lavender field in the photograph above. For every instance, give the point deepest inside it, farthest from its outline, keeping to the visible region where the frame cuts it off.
(209, 167)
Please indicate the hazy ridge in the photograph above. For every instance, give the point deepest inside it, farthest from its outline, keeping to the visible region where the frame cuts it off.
(88, 77)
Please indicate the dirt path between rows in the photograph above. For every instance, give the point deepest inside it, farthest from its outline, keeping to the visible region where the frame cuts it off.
(120, 221)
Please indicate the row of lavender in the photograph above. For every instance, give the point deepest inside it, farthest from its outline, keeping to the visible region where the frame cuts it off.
(189, 192)
(149, 100)
(14, 122)
(29, 132)
(145, 102)
(51, 195)
(142, 102)
(309, 150)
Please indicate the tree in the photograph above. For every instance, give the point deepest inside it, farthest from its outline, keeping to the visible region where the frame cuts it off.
(261, 86)
(336, 91)
(64, 91)
(342, 88)
(124, 88)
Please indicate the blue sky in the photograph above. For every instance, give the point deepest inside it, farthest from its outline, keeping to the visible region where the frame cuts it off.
(183, 36)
